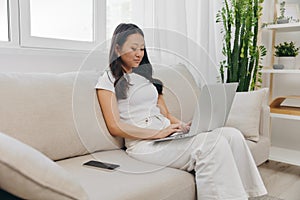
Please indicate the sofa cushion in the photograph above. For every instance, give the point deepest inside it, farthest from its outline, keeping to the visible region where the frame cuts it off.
(245, 112)
(28, 174)
(58, 114)
(180, 90)
(133, 180)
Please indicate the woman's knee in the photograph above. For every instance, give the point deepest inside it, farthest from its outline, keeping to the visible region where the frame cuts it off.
(215, 145)
(231, 133)
(222, 146)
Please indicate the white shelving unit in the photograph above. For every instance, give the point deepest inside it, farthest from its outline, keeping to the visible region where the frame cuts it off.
(280, 71)
(284, 27)
(278, 153)
(281, 152)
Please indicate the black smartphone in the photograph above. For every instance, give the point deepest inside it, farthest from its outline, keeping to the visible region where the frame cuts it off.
(101, 165)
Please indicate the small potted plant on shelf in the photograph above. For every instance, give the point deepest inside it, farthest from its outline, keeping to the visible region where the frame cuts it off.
(282, 19)
(286, 53)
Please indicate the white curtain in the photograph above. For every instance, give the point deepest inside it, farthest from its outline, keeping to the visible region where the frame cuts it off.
(182, 31)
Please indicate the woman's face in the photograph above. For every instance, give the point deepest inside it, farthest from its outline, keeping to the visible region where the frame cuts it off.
(132, 51)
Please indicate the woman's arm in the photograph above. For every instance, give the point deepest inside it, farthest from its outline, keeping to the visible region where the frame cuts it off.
(108, 103)
(164, 110)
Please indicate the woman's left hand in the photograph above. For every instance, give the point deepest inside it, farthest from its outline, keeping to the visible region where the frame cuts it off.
(185, 127)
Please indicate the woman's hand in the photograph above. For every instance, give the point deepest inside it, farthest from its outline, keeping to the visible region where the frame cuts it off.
(168, 131)
(185, 127)
(173, 128)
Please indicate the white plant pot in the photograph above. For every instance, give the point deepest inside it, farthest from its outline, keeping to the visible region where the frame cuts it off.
(287, 62)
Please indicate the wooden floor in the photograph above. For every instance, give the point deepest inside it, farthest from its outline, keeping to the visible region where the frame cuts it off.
(281, 180)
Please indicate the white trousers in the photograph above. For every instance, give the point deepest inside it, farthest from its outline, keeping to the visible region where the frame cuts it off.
(223, 164)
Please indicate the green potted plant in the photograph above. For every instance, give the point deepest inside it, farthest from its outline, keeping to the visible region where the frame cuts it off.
(240, 24)
(286, 53)
(282, 19)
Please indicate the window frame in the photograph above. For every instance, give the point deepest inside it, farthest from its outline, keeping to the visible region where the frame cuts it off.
(26, 40)
(13, 27)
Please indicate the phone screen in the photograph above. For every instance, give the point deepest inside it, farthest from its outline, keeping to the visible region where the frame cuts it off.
(103, 165)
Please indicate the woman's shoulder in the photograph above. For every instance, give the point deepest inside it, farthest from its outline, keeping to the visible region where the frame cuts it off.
(107, 75)
(106, 81)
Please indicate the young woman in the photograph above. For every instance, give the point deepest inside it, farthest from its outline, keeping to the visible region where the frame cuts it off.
(134, 108)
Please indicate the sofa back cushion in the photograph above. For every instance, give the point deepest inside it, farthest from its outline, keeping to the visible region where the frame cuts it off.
(245, 113)
(58, 114)
(180, 90)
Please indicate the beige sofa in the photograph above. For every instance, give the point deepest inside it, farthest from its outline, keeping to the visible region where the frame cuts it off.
(51, 124)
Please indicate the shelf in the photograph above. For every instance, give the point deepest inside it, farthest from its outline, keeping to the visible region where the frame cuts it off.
(288, 27)
(285, 155)
(286, 110)
(284, 116)
(280, 71)
(276, 107)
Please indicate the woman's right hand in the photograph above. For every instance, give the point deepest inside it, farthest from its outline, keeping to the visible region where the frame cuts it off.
(168, 131)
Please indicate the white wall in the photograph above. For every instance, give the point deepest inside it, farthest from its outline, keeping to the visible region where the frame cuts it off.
(17, 60)
(53, 61)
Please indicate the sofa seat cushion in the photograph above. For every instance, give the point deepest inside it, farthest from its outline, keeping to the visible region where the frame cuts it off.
(29, 174)
(133, 180)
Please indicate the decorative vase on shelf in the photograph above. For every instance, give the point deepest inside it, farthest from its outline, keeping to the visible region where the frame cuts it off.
(282, 21)
(278, 66)
(287, 62)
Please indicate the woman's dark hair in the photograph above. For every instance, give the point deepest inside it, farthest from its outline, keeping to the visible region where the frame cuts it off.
(121, 85)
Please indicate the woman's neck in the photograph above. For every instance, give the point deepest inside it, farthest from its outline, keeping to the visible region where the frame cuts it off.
(127, 70)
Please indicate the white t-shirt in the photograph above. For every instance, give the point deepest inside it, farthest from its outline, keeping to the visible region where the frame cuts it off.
(140, 107)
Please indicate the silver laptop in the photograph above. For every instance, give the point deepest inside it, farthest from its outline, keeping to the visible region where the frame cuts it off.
(211, 111)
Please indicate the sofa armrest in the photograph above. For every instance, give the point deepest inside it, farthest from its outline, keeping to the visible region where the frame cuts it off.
(264, 126)
(36, 178)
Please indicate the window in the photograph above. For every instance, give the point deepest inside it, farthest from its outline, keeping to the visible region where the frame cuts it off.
(56, 24)
(4, 29)
(71, 20)
(64, 24)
